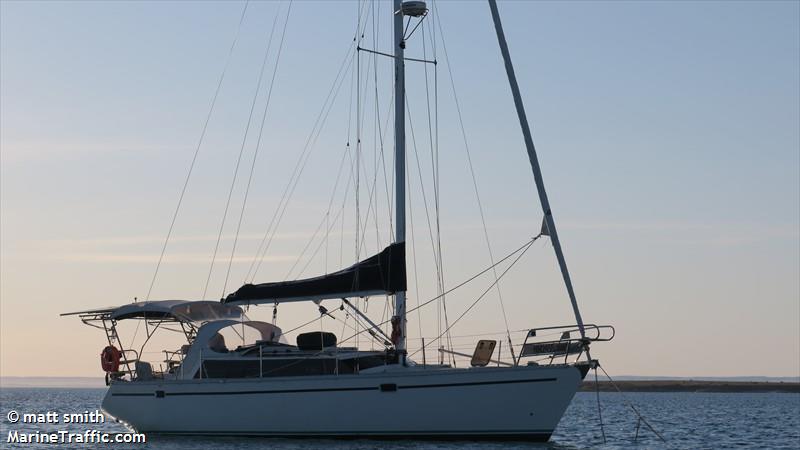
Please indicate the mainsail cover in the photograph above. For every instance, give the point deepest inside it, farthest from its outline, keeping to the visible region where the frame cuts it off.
(384, 273)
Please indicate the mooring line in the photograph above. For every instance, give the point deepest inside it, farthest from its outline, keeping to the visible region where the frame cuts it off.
(599, 411)
(631, 406)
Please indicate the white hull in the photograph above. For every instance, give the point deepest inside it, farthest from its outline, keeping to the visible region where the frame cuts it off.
(516, 402)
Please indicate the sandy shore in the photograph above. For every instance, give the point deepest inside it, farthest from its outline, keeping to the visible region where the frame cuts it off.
(692, 386)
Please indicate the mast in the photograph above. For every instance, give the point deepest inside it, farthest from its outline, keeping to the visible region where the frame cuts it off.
(537, 172)
(400, 163)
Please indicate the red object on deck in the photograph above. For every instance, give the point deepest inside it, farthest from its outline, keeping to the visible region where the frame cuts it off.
(109, 359)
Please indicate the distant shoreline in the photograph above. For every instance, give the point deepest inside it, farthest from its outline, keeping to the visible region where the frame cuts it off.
(691, 386)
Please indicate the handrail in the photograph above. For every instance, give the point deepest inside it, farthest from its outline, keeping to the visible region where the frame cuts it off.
(589, 327)
(566, 345)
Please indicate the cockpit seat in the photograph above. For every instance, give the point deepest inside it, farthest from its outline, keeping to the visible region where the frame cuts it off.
(217, 343)
(144, 371)
(316, 340)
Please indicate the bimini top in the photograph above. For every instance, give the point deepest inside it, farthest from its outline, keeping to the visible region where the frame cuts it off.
(181, 310)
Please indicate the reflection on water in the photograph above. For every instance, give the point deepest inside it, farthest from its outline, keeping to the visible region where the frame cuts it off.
(686, 420)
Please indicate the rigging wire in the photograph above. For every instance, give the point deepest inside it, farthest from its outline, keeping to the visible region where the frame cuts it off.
(497, 280)
(433, 130)
(192, 164)
(373, 189)
(385, 177)
(472, 173)
(326, 217)
(359, 120)
(300, 326)
(522, 248)
(427, 213)
(358, 142)
(196, 152)
(308, 244)
(288, 191)
(474, 335)
(319, 246)
(361, 111)
(339, 213)
(357, 161)
(310, 145)
(375, 129)
(433, 21)
(347, 152)
(258, 145)
(325, 220)
(422, 189)
(414, 256)
(519, 252)
(239, 159)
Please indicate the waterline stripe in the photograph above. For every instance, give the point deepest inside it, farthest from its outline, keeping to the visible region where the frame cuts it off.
(294, 391)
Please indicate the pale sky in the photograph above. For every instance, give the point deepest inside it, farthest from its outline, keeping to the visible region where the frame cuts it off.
(668, 134)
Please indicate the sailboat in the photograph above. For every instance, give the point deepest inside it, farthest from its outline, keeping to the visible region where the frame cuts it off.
(320, 388)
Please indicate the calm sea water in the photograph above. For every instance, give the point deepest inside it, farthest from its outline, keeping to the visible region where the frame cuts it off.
(686, 420)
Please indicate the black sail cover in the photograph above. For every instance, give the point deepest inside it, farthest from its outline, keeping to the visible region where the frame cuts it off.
(384, 273)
